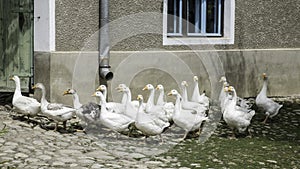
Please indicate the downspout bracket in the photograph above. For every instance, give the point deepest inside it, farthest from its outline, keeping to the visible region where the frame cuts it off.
(104, 66)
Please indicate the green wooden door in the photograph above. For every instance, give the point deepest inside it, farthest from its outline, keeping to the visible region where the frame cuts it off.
(16, 43)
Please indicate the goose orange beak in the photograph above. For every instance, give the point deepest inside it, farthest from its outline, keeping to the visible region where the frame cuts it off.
(99, 88)
(196, 78)
(145, 88)
(185, 83)
(139, 97)
(230, 89)
(119, 89)
(65, 93)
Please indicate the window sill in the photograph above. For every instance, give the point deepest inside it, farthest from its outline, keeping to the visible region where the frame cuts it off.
(197, 41)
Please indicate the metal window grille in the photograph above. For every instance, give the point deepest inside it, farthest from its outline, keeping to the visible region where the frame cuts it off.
(175, 17)
(202, 18)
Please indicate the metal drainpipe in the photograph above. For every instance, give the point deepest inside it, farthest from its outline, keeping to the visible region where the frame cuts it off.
(104, 73)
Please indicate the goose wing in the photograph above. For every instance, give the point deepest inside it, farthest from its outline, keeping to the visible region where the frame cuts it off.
(26, 101)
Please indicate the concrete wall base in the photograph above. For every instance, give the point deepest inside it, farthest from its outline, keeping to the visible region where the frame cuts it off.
(243, 68)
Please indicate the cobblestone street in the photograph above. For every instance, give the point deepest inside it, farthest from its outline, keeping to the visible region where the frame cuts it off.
(25, 146)
(33, 144)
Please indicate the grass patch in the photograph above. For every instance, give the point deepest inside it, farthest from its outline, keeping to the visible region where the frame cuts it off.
(4, 130)
(274, 145)
(246, 152)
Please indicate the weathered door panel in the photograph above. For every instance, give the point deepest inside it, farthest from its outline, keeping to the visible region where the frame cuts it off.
(17, 43)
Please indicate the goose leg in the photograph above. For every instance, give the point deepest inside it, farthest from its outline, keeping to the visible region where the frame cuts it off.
(56, 126)
(162, 140)
(130, 131)
(145, 141)
(200, 129)
(233, 135)
(65, 124)
(249, 132)
(264, 122)
(185, 134)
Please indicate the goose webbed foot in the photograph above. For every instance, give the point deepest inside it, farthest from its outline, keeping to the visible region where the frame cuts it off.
(81, 130)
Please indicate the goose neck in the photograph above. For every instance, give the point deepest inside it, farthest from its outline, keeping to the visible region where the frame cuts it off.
(76, 101)
(18, 88)
(124, 98)
(140, 109)
(184, 93)
(43, 98)
(128, 96)
(264, 88)
(160, 99)
(150, 101)
(229, 103)
(102, 101)
(196, 89)
(177, 104)
(105, 93)
(234, 97)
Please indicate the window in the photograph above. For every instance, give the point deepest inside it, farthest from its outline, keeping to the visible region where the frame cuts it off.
(198, 22)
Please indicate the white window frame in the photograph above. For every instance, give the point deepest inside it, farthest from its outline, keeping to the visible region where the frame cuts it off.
(228, 29)
(44, 25)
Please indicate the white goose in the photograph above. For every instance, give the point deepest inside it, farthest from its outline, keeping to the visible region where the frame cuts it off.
(111, 106)
(146, 123)
(236, 118)
(135, 103)
(222, 95)
(155, 110)
(130, 109)
(167, 106)
(270, 107)
(88, 113)
(199, 108)
(22, 104)
(114, 121)
(240, 102)
(188, 120)
(196, 97)
(55, 111)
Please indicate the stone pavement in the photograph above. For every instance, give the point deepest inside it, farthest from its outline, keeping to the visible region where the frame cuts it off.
(24, 144)
(27, 144)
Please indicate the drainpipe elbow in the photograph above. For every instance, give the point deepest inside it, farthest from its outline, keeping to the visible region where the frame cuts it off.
(105, 73)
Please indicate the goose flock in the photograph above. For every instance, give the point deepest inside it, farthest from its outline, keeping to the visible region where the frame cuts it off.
(148, 118)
